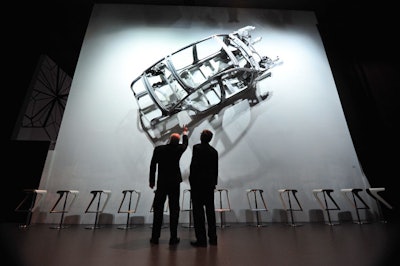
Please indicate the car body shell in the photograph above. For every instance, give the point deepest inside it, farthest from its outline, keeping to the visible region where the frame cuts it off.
(197, 80)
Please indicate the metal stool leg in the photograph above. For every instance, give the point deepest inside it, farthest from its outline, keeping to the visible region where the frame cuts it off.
(255, 207)
(221, 208)
(290, 209)
(325, 205)
(98, 209)
(32, 195)
(356, 198)
(374, 193)
(60, 225)
(63, 194)
(129, 211)
(189, 210)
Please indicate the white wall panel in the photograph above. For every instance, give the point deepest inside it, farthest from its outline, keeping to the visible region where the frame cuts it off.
(297, 138)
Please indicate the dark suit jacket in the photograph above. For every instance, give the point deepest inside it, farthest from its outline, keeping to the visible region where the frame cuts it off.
(203, 167)
(167, 158)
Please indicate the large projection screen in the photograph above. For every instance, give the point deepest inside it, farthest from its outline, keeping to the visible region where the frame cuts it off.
(296, 138)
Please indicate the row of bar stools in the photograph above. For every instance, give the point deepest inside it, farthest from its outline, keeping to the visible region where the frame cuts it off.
(223, 205)
(258, 204)
(100, 205)
(129, 210)
(32, 199)
(327, 205)
(290, 208)
(65, 206)
(356, 200)
(187, 206)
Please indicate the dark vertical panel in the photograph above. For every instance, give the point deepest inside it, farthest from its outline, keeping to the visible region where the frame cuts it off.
(24, 162)
(363, 55)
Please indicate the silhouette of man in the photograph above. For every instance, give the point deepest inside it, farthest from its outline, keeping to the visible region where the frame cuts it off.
(203, 179)
(165, 161)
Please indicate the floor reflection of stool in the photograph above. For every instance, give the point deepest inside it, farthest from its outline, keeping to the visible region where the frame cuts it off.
(223, 205)
(326, 205)
(258, 204)
(66, 205)
(129, 209)
(290, 209)
(187, 206)
(31, 201)
(97, 194)
(356, 198)
(165, 211)
(373, 192)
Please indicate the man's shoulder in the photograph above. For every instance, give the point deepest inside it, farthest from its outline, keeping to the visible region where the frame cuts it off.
(197, 146)
(160, 147)
(214, 150)
(204, 147)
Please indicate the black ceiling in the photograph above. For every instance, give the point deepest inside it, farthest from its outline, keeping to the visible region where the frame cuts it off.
(57, 28)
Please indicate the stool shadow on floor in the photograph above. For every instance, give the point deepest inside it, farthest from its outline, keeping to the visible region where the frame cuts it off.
(316, 216)
(139, 220)
(40, 217)
(280, 216)
(106, 219)
(72, 219)
(345, 217)
(251, 218)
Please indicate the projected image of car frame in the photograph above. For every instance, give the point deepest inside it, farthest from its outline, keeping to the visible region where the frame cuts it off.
(197, 81)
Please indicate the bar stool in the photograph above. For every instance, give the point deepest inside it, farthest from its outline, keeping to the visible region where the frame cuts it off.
(224, 205)
(258, 205)
(325, 205)
(187, 206)
(129, 209)
(66, 205)
(290, 209)
(356, 198)
(374, 193)
(30, 202)
(97, 194)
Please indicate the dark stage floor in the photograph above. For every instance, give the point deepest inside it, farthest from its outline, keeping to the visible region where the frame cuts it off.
(239, 245)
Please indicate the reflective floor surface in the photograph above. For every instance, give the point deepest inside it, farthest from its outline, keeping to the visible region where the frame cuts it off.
(310, 244)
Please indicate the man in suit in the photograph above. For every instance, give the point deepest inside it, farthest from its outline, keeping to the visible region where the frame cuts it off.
(165, 161)
(203, 179)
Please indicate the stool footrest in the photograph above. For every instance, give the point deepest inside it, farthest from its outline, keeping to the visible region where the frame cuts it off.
(129, 210)
(99, 209)
(257, 205)
(223, 206)
(326, 193)
(356, 198)
(66, 205)
(290, 208)
(187, 207)
(29, 203)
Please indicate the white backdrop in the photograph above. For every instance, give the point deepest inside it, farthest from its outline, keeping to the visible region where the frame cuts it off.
(297, 138)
